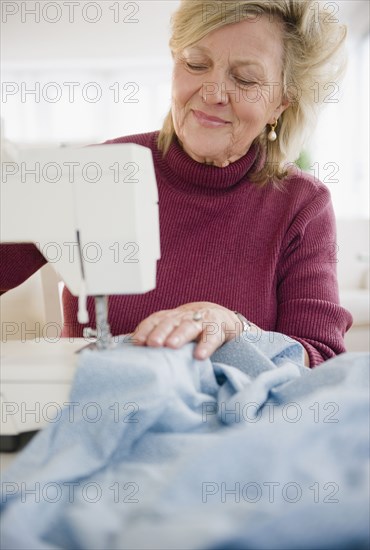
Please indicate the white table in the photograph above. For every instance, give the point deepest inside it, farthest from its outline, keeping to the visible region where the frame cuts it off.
(36, 376)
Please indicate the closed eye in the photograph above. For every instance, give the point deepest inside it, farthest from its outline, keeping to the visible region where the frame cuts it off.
(196, 67)
(243, 82)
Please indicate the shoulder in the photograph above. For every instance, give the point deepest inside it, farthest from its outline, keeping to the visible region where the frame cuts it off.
(302, 196)
(305, 188)
(148, 139)
(308, 203)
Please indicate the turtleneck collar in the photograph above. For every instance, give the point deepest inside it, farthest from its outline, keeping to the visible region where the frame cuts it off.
(189, 175)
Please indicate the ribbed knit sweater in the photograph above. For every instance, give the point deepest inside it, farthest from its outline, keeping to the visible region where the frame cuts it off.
(262, 251)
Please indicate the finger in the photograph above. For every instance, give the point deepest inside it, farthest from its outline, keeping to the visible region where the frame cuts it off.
(146, 326)
(187, 331)
(209, 344)
(160, 333)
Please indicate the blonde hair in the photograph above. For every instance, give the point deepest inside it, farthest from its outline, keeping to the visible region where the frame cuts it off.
(313, 63)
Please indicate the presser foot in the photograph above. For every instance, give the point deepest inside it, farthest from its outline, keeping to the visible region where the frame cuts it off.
(102, 341)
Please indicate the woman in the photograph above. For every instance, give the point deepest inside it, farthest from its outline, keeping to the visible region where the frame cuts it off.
(239, 232)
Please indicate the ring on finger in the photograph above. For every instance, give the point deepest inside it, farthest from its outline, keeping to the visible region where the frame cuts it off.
(197, 316)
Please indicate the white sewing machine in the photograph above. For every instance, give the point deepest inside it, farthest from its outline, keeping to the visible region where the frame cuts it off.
(96, 209)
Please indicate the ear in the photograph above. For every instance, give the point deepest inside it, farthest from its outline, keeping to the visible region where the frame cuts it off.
(280, 109)
(285, 103)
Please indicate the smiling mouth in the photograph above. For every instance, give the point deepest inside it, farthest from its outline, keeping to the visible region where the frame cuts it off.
(209, 121)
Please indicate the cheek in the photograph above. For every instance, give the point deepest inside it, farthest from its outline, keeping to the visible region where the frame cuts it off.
(181, 95)
(247, 113)
(177, 107)
(252, 109)
(178, 96)
(183, 88)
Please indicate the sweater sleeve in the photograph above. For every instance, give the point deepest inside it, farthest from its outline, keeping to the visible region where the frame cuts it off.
(307, 291)
(18, 262)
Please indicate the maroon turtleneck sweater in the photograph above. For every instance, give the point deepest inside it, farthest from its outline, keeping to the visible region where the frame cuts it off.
(264, 252)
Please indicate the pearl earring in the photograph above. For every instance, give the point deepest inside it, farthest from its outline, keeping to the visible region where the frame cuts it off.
(271, 136)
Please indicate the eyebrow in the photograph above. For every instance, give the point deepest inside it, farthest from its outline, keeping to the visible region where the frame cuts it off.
(237, 62)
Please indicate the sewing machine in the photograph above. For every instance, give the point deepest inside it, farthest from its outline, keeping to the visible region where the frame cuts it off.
(94, 211)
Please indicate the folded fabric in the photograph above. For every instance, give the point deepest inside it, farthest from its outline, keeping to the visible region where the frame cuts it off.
(157, 450)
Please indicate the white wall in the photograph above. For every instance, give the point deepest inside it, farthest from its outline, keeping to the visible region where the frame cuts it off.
(115, 53)
(88, 30)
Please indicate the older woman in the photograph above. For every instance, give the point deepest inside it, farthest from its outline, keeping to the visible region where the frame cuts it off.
(247, 240)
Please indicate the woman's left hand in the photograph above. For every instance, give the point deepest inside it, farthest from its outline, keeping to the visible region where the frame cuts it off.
(211, 325)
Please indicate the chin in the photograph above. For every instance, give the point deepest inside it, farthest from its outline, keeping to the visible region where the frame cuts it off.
(202, 155)
(206, 149)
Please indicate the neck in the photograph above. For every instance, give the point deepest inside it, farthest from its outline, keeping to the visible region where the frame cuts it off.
(218, 162)
(183, 172)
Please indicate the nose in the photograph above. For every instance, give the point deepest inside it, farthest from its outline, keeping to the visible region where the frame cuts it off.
(214, 89)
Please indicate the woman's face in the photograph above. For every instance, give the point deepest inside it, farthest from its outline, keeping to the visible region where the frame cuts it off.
(226, 88)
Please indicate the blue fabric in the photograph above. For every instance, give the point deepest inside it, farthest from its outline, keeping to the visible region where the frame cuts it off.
(157, 450)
